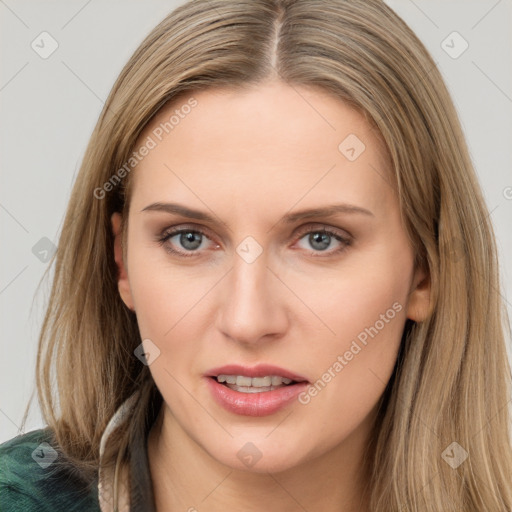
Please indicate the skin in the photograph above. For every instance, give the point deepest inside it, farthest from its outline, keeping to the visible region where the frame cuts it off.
(249, 158)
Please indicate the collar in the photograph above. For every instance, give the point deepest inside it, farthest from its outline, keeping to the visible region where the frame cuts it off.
(107, 476)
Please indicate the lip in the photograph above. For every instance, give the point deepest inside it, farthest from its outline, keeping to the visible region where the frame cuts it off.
(254, 404)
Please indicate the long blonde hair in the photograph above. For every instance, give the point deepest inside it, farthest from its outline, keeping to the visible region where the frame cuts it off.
(452, 378)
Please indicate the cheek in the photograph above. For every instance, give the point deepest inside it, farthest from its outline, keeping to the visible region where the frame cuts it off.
(364, 309)
(171, 314)
(164, 294)
(366, 293)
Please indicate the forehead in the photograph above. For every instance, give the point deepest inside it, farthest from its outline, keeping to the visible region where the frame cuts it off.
(279, 142)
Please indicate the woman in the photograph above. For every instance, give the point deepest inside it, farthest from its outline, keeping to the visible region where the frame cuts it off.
(276, 285)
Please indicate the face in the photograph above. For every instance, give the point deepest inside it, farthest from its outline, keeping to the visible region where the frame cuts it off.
(265, 240)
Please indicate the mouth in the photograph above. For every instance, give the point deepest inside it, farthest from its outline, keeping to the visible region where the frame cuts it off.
(254, 391)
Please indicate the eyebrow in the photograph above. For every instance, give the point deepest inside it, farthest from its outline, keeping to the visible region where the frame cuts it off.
(327, 211)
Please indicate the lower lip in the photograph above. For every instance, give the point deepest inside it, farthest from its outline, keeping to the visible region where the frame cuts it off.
(254, 404)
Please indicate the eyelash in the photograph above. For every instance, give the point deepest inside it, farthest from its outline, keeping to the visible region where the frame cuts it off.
(166, 235)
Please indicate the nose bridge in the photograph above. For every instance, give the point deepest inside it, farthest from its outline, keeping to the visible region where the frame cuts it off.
(252, 304)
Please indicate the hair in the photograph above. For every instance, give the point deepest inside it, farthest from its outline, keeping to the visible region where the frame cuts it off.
(451, 381)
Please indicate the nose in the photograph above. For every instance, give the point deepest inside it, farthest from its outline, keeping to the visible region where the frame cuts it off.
(253, 303)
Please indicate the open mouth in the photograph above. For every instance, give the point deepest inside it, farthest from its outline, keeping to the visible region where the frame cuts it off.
(254, 391)
(244, 384)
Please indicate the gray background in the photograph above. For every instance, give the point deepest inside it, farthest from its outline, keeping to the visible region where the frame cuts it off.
(50, 106)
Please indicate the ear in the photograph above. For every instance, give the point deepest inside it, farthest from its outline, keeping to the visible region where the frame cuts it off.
(123, 283)
(418, 306)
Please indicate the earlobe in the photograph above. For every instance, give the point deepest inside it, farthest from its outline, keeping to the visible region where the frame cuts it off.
(123, 283)
(418, 306)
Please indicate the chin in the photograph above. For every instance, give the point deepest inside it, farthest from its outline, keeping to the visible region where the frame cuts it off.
(260, 456)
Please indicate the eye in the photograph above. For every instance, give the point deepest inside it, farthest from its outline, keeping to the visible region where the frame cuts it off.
(187, 242)
(184, 242)
(321, 240)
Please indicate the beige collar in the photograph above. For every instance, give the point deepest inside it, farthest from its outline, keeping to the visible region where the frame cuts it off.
(106, 476)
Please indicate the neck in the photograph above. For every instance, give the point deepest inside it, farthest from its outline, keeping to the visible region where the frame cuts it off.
(185, 477)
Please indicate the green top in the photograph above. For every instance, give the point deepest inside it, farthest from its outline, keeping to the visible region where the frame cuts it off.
(32, 480)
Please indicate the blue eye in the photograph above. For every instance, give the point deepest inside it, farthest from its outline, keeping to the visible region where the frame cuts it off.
(320, 240)
(190, 240)
(186, 242)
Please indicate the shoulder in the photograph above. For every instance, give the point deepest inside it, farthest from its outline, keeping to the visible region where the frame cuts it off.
(34, 476)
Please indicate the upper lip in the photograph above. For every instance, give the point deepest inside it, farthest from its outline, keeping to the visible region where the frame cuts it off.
(260, 370)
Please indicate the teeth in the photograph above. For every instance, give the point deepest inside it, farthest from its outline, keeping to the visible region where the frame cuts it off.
(242, 381)
(261, 381)
(244, 389)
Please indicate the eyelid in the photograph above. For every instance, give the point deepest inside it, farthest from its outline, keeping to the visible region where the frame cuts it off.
(173, 230)
(342, 233)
